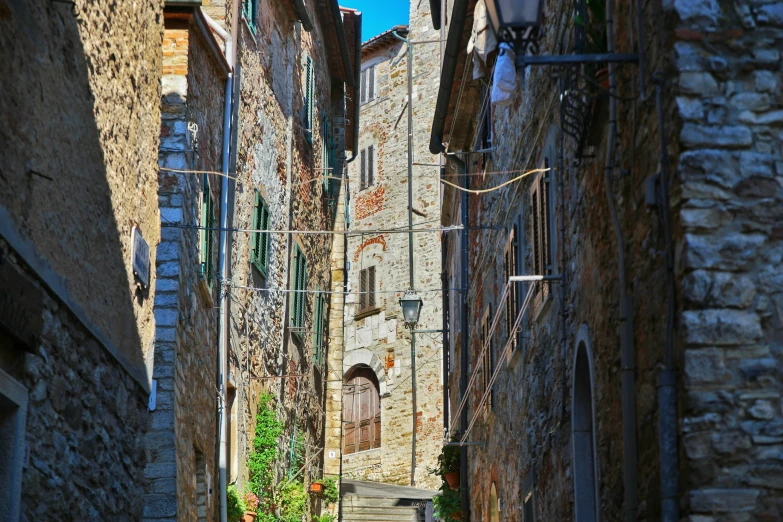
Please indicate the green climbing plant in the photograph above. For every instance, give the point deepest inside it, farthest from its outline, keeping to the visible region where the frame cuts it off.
(330, 494)
(265, 453)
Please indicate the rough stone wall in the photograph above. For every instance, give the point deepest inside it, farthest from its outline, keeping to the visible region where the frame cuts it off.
(275, 159)
(85, 418)
(183, 430)
(730, 168)
(80, 135)
(528, 432)
(380, 339)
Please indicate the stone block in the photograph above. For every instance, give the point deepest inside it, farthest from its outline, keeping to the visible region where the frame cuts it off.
(700, 83)
(168, 269)
(724, 136)
(705, 366)
(159, 506)
(160, 470)
(718, 289)
(723, 327)
(723, 500)
(702, 13)
(750, 101)
(166, 317)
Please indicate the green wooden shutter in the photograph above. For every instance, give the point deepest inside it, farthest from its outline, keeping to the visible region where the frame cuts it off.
(303, 294)
(259, 254)
(207, 233)
(325, 163)
(256, 240)
(264, 237)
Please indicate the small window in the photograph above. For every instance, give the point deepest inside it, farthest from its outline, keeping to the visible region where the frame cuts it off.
(319, 338)
(528, 498)
(13, 421)
(299, 285)
(494, 504)
(361, 411)
(368, 85)
(308, 89)
(259, 255)
(510, 264)
(327, 154)
(540, 205)
(367, 167)
(367, 289)
(207, 232)
(250, 12)
(488, 360)
(201, 486)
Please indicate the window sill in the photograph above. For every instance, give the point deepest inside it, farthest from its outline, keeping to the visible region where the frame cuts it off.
(543, 307)
(205, 291)
(349, 455)
(367, 313)
(362, 189)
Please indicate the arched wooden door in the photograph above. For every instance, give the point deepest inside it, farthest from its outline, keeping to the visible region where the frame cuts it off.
(361, 411)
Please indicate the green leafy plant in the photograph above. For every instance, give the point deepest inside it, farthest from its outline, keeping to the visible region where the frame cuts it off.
(265, 451)
(326, 517)
(293, 502)
(235, 504)
(448, 460)
(448, 504)
(330, 493)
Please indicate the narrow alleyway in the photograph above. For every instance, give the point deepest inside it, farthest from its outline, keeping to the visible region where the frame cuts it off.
(443, 260)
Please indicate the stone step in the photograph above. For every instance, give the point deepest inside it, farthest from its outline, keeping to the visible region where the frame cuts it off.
(356, 500)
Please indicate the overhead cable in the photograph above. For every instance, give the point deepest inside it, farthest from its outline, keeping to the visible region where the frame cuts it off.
(492, 189)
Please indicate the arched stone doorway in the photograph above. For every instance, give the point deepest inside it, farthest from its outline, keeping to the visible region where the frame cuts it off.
(361, 410)
(583, 431)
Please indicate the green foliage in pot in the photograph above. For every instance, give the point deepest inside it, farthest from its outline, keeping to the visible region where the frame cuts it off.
(330, 493)
(326, 517)
(447, 504)
(448, 460)
(235, 505)
(293, 502)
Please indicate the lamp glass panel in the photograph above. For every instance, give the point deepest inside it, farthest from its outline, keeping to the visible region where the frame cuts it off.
(516, 13)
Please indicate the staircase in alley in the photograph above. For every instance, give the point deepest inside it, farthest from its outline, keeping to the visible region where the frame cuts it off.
(362, 501)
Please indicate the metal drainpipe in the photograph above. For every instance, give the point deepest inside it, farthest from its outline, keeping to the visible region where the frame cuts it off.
(667, 378)
(627, 356)
(223, 253)
(463, 378)
(410, 248)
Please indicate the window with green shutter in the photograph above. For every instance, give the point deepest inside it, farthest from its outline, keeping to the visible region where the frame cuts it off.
(319, 339)
(250, 12)
(259, 254)
(299, 285)
(309, 94)
(327, 154)
(207, 232)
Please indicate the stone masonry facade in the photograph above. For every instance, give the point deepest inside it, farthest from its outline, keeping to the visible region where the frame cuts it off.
(78, 147)
(377, 338)
(721, 76)
(181, 443)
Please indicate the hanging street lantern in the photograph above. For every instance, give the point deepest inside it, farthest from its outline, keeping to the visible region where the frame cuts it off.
(411, 307)
(516, 22)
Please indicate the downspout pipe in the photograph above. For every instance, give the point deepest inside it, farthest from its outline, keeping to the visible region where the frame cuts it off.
(627, 356)
(435, 12)
(223, 252)
(667, 377)
(459, 13)
(357, 81)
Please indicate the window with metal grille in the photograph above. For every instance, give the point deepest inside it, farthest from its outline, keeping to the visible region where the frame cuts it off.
(488, 360)
(299, 285)
(250, 12)
(259, 254)
(367, 159)
(541, 248)
(368, 85)
(361, 411)
(308, 89)
(367, 289)
(207, 232)
(319, 339)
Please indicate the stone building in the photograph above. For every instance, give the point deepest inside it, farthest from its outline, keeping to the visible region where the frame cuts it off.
(370, 355)
(79, 223)
(642, 382)
(181, 444)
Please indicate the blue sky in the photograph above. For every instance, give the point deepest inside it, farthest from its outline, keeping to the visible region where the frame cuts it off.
(379, 15)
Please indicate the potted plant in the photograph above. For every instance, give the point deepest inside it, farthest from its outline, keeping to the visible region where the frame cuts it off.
(235, 505)
(317, 487)
(251, 507)
(448, 504)
(448, 465)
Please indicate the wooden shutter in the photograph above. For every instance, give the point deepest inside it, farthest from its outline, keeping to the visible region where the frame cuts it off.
(302, 294)
(546, 260)
(294, 284)
(309, 89)
(371, 84)
(363, 161)
(371, 287)
(363, 96)
(370, 166)
(365, 409)
(264, 236)
(363, 290)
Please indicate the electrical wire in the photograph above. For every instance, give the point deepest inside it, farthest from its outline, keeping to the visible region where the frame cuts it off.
(184, 171)
(169, 224)
(492, 189)
(338, 292)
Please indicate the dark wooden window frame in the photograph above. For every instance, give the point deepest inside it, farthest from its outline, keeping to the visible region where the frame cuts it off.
(367, 165)
(259, 251)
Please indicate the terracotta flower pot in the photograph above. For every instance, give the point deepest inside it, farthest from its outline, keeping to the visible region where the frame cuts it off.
(602, 77)
(452, 478)
(249, 516)
(317, 488)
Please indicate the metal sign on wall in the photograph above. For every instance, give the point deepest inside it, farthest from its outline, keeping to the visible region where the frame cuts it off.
(140, 257)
